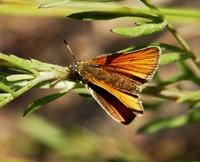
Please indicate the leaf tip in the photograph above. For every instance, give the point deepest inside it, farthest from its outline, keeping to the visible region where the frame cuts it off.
(24, 114)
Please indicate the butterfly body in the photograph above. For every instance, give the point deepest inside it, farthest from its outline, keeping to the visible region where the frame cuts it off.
(116, 80)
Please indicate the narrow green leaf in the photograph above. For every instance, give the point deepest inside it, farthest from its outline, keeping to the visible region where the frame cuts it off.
(19, 77)
(173, 79)
(20, 91)
(165, 48)
(82, 91)
(44, 100)
(4, 95)
(167, 123)
(173, 93)
(153, 105)
(172, 57)
(107, 15)
(168, 48)
(6, 88)
(141, 30)
(11, 61)
(30, 8)
(21, 82)
(32, 66)
(63, 84)
(189, 96)
(195, 105)
(185, 69)
(41, 102)
(95, 15)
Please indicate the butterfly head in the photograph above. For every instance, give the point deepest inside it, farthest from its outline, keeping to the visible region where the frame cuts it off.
(74, 71)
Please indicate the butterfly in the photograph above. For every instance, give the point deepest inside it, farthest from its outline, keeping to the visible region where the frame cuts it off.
(116, 80)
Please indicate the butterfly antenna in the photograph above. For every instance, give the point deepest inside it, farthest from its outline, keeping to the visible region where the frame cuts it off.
(69, 49)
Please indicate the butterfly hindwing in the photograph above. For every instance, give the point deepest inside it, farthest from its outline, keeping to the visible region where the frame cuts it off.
(131, 101)
(112, 105)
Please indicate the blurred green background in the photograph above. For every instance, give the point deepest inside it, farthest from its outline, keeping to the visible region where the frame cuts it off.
(76, 129)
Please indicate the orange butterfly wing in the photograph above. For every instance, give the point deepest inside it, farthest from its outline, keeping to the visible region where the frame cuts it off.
(138, 65)
(131, 101)
(112, 105)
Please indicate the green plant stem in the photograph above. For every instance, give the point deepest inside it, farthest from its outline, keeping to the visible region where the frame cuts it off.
(19, 92)
(183, 43)
(175, 33)
(149, 4)
(44, 76)
(31, 9)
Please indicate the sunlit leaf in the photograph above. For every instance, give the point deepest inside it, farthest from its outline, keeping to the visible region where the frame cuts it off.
(189, 96)
(161, 124)
(6, 88)
(172, 93)
(141, 30)
(169, 123)
(172, 57)
(81, 90)
(11, 61)
(63, 84)
(41, 102)
(23, 74)
(19, 77)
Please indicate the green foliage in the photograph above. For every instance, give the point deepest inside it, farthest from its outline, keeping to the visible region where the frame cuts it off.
(189, 96)
(78, 144)
(146, 29)
(22, 74)
(41, 102)
(168, 58)
(171, 122)
(111, 14)
(62, 8)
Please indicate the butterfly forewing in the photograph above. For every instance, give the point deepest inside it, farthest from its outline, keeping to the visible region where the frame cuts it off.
(137, 65)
